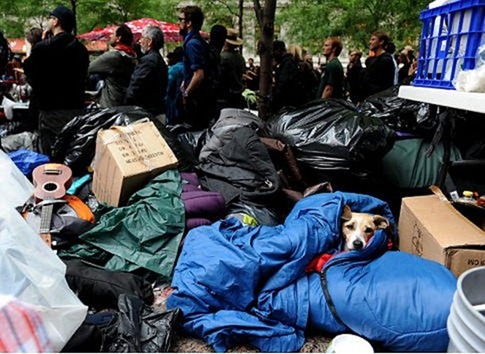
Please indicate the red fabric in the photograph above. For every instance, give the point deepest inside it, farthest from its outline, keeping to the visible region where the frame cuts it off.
(318, 262)
(22, 330)
(125, 48)
(170, 30)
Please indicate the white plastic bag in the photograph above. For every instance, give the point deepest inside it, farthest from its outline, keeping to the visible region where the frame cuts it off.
(8, 107)
(15, 188)
(32, 273)
(471, 80)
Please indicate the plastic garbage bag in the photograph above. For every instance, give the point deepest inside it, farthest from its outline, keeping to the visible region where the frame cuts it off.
(27, 160)
(32, 273)
(15, 188)
(331, 136)
(140, 329)
(401, 115)
(75, 145)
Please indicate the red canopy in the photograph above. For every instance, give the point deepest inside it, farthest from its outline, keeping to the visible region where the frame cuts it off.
(170, 30)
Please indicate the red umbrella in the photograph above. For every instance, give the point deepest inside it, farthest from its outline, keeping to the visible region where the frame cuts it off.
(170, 30)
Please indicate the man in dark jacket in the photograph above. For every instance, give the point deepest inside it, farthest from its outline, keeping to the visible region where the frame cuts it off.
(288, 89)
(148, 84)
(57, 70)
(115, 67)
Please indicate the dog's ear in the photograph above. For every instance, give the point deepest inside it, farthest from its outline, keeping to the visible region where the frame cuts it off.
(346, 213)
(381, 222)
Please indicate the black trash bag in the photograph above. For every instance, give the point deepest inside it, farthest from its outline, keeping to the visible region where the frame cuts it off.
(185, 158)
(75, 145)
(141, 329)
(331, 136)
(192, 141)
(401, 115)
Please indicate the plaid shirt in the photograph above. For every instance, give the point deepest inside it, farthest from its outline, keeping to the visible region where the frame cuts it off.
(21, 328)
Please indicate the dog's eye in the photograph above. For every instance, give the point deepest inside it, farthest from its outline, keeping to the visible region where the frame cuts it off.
(368, 230)
(349, 226)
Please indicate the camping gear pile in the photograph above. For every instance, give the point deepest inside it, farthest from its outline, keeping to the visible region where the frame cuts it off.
(233, 229)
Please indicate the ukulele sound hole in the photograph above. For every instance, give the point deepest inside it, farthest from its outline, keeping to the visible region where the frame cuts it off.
(50, 187)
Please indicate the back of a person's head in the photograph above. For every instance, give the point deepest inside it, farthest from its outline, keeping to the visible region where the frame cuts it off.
(383, 36)
(155, 34)
(125, 34)
(34, 35)
(337, 44)
(295, 51)
(195, 15)
(391, 48)
(279, 46)
(218, 35)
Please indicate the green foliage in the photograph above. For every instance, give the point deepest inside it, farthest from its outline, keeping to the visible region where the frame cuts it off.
(311, 21)
(19, 15)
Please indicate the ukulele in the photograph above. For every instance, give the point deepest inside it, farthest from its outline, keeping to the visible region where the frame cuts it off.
(51, 181)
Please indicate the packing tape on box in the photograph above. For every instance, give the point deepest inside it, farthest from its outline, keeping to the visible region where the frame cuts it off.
(127, 137)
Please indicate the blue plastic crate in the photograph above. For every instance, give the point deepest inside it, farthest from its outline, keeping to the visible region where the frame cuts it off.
(450, 38)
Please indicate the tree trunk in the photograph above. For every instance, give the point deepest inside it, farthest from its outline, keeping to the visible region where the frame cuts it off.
(265, 18)
(74, 10)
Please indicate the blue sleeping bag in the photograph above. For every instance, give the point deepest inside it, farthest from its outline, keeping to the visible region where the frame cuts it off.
(238, 283)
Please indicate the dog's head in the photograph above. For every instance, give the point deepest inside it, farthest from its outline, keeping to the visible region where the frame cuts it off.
(358, 228)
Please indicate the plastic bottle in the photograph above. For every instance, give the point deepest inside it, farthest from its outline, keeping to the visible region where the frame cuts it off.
(467, 198)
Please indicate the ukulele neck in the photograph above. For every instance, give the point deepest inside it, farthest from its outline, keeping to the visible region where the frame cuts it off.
(46, 218)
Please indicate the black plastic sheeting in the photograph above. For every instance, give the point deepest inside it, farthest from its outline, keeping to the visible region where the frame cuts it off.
(140, 329)
(331, 136)
(417, 118)
(75, 145)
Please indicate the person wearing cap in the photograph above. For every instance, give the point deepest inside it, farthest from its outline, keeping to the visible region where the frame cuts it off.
(115, 67)
(233, 67)
(148, 84)
(197, 90)
(57, 70)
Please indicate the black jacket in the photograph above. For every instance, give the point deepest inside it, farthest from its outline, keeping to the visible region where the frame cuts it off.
(57, 70)
(148, 84)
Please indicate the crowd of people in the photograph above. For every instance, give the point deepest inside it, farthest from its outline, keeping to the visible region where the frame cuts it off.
(202, 77)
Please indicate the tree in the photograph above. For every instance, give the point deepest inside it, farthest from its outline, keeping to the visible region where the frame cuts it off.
(311, 21)
(265, 16)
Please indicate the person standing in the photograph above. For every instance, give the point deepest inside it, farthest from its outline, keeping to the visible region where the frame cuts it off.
(354, 76)
(175, 79)
(198, 96)
(331, 82)
(379, 69)
(115, 67)
(148, 84)
(233, 67)
(288, 89)
(57, 71)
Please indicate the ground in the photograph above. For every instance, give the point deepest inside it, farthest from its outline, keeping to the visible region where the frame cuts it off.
(184, 344)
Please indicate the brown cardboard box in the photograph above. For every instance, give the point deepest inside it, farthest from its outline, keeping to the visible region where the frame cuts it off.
(432, 228)
(126, 158)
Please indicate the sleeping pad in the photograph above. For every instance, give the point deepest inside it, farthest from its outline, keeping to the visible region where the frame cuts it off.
(238, 283)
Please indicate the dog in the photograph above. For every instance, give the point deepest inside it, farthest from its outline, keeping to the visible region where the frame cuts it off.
(358, 228)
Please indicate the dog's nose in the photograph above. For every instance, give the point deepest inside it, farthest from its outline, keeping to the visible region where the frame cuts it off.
(358, 244)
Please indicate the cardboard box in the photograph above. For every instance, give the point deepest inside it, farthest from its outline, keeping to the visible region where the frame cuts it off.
(126, 158)
(432, 228)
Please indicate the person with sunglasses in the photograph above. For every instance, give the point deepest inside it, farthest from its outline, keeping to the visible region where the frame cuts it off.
(197, 92)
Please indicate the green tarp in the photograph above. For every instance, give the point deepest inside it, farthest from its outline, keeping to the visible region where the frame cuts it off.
(144, 234)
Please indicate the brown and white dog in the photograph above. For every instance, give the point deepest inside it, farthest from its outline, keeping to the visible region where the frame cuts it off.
(358, 228)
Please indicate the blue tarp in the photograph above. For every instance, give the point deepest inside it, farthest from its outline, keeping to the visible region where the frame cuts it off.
(239, 283)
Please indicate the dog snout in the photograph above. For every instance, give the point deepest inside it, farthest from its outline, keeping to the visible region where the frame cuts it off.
(358, 244)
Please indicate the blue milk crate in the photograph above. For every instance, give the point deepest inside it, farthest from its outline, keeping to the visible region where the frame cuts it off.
(450, 38)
